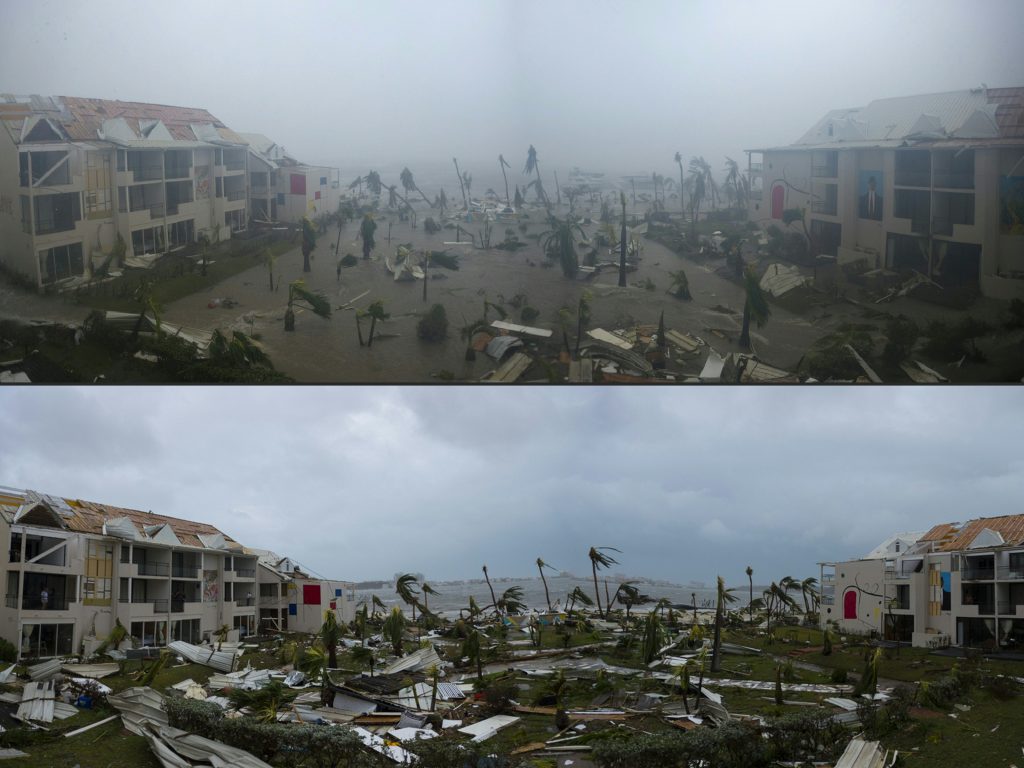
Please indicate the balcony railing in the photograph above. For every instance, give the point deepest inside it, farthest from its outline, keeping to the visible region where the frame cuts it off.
(245, 573)
(954, 180)
(160, 604)
(178, 173)
(824, 171)
(152, 569)
(237, 165)
(1006, 608)
(185, 572)
(270, 600)
(35, 603)
(148, 173)
(913, 179)
(235, 194)
(245, 603)
(824, 206)
(1011, 573)
(260, 192)
(978, 574)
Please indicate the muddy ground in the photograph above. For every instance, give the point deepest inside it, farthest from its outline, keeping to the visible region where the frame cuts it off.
(323, 351)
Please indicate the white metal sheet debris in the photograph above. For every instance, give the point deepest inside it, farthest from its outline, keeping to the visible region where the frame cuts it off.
(37, 702)
(684, 341)
(176, 749)
(542, 333)
(780, 279)
(44, 671)
(90, 726)
(419, 660)
(247, 679)
(412, 734)
(600, 334)
(224, 660)
(848, 704)
(510, 371)
(768, 685)
(6, 674)
(484, 729)
(446, 724)
(91, 683)
(137, 706)
(865, 754)
(352, 704)
(377, 744)
(500, 345)
(11, 754)
(713, 366)
(95, 671)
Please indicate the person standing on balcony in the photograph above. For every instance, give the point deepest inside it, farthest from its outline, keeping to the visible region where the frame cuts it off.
(248, 598)
(44, 598)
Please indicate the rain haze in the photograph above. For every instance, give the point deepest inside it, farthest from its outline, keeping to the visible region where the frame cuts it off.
(360, 483)
(605, 85)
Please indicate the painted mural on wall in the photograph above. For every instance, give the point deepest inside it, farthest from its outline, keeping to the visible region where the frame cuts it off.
(869, 195)
(1011, 205)
(211, 588)
(202, 182)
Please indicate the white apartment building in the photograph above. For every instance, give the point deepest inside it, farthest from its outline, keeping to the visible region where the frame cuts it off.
(75, 567)
(75, 173)
(956, 584)
(285, 190)
(292, 599)
(933, 183)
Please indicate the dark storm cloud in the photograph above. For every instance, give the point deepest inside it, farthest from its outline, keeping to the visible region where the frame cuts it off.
(364, 482)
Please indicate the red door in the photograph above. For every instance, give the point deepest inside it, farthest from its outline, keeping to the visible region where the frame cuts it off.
(850, 604)
(778, 200)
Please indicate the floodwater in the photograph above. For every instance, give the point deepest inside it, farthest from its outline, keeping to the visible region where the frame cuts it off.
(328, 350)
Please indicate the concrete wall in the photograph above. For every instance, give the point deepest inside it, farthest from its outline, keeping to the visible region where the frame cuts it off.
(15, 245)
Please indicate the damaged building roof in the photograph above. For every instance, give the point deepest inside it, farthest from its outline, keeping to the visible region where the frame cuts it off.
(951, 537)
(80, 516)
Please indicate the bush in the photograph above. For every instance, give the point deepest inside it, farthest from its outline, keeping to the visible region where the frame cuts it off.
(902, 333)
(951, 342)
(839, 676)
(8, 652)
(433, 326)
(348, 260)
(529, 314)
(498, 696)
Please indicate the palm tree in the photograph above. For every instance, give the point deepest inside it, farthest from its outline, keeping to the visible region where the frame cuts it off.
(407, 589)
(725, 596)
(755, 307)
(532, 166)
(376, 312)
(703, 168)
(472, 648)
(462, 185)
(679, 162)
(240, 351)
(298, 293)
(467, 181)
(366, 229)
(653, 637)
(518, 198)
(308, 242)
(504, 165)
(750, 578)
(732, 177)
(622, 243)
(364, 656)
(629, 595)
(511, 601)
(579, 595)
(487, 578)
(377, 603)
(807, 589)
(409, 184)
(373, 183)
(357, 182)
(697, 196)
(394, 627)
(441, 201)
(559, 243)
(330, 635)
(598, 559)
(541, 565)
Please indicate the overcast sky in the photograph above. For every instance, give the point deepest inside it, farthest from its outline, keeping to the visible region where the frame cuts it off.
(359, 483)
(613, 85)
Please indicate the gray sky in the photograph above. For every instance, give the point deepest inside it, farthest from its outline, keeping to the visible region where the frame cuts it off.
(615, 85)
(358, 483)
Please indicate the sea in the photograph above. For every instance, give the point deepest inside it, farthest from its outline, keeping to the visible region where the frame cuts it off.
(455, 595)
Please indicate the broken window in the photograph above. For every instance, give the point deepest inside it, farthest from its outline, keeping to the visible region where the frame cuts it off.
(99, 571)
(148, 240)
(181, 232)
(44, 641)
(57, 213)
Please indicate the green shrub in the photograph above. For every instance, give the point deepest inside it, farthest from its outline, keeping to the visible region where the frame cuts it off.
(433, 326)
(529, 314)
(8, 652)
(901, 333)
(839, 676)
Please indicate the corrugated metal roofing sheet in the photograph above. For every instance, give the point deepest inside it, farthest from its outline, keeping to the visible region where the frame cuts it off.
(1010, 527)
(37, 702)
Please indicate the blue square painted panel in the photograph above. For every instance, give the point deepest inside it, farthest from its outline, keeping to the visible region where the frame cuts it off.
(293, 609)
(337, 593)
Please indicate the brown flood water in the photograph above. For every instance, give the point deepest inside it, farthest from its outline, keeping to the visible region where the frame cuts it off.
(328, 350)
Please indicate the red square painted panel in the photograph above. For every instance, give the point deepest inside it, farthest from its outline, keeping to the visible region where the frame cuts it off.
(316, 195)
(298, 184)
(311, 594)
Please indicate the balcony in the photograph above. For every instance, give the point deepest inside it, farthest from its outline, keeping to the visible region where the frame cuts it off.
(186, 606)
(271, 600)
(913, 179)
(826, 207)
(157, 604)
(235, 195)
(954, 180)
(972, 610)
(942, 227)
(977, 574)
(245, 603)
(1011, 573)
(234, 165)
(824, 171)
(147, 173)
(178, 173)
(152, 569)
(189, 572)
(259, 192)
(245, 573)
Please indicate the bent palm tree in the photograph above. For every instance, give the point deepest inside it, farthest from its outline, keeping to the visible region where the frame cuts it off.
(504, 165)
(725, 596)
(598, 559)
(807, 590)
(308, 242)
(532, 166)
(407, 589)
(755, 307)
(732, 178)
(541, 565)
(750, 578)
(487, 578)
(376, 312)
(330, 636)
(511, 601)
(409, 184)
(299, 294)
(679, 162)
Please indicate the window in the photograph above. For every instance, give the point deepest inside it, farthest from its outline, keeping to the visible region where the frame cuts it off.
(126, 551)
(220, 187)
(98, 203)
(323, 181)
(23, 169)
(47, 640)
(280, 198)
(26, 215)
(99, 567)
(149, 632)
(187, 630)
(61, 262)
(57, 213)
(148, 240)
(181, 232)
